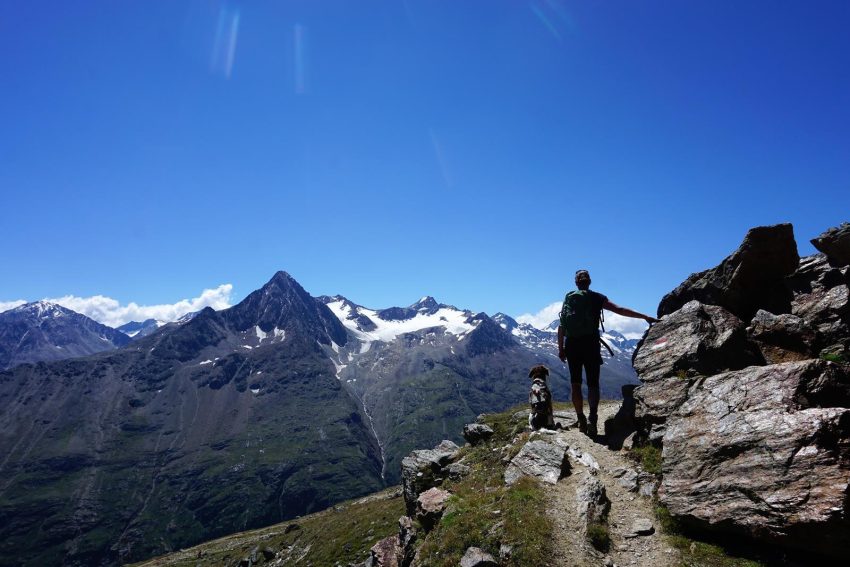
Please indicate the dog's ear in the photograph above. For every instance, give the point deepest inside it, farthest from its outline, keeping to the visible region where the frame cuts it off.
(531, 372)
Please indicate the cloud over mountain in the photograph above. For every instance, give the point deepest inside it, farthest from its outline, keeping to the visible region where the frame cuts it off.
(110, 311)
(630, 328)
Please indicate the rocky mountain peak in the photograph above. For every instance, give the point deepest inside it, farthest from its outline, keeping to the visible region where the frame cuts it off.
(506, 321)
(44, 331)
(283, 304)
(426, 302)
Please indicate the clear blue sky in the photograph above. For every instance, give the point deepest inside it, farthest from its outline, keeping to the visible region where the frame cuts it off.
(477, 151)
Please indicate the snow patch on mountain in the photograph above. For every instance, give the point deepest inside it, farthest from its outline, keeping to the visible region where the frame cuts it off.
(455, 321)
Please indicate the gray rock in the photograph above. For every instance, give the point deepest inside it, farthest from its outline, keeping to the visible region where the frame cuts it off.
(424, 469)
(475, 433)
(592, 504)
(835, 243)
(457, 470)
(506, 551)
(764, 452)
(407, 537)
(696, 339)
(430, 506)
(746, 281)
(541, 459)
(821, 297)
(656, 400)
(627, 478)
(782, 338)
(476, 557)
(642, 527)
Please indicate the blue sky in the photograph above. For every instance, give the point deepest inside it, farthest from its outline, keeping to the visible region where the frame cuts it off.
(476, 151)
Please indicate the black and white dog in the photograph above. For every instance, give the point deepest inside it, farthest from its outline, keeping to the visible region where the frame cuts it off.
(540, 399)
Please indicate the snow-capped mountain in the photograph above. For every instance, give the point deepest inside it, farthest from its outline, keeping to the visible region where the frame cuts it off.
(137, 330)
(44, 331)
(290, 401)
(385, 325)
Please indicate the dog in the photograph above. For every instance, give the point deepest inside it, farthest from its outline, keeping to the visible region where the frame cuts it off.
(540, 399)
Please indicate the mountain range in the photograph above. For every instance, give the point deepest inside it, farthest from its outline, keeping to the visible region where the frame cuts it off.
(281, 405)
(44, 331)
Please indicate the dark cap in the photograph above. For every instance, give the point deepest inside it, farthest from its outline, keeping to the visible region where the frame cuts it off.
(584, 273)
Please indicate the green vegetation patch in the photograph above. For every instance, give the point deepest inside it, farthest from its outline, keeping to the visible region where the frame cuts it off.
(649, 457)
(484, 513)
(342, 534)
(599, 536)
(693, 552)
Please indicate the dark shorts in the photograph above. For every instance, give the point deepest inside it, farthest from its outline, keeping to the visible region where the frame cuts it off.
(583, 352)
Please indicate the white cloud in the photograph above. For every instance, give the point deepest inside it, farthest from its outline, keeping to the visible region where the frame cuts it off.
(630, 328)
(110, 311)
(6, 305)
(542, 318)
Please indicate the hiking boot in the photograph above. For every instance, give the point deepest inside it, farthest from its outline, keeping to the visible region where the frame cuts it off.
(591, 426)
(582, 423)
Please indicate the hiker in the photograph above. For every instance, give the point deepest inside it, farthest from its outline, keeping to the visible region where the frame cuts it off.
(579, 325)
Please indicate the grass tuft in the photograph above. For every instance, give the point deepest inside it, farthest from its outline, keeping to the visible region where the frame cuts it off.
(649, 457)
(599, 536)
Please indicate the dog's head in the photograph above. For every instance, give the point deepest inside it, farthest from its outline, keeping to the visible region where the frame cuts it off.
(539, 372)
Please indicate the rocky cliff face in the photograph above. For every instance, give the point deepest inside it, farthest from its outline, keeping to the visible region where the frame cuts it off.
(746, 385)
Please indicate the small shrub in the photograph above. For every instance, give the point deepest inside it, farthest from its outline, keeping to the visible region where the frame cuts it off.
(669, 524)
(832, 357)
(599, 536)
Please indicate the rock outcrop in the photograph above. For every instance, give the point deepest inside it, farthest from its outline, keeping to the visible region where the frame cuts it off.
(835, 243)
(746, 386)
(747, 280)
(541, 459)
(425, 469)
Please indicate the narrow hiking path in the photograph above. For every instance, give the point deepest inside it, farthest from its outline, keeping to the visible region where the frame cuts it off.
(618, 474)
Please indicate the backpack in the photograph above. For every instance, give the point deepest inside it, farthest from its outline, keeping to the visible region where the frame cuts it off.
(581, 313)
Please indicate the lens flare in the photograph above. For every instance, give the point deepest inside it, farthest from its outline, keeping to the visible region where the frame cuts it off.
(224, 44)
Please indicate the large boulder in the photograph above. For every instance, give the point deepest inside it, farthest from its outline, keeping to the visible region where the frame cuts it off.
(748, 280)
(764, 452)
(541, 459)
(696, 339)
(835, 243)
(424, 469)
(782, 338)
(656, 400)
(821, 298)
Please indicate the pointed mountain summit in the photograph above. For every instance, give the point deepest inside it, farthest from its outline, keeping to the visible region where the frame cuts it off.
(44, 331)
(284, 305)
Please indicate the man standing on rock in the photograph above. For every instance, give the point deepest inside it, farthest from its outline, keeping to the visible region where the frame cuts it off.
(579, 343)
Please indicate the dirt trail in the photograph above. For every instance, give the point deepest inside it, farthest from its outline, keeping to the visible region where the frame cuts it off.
(626, 507)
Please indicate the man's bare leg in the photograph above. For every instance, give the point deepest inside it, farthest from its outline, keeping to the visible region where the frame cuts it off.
(578, 404)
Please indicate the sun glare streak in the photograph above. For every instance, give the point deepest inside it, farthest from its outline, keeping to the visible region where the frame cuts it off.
(224, 45)
(441, 159)
(554, 17)
(300, 55)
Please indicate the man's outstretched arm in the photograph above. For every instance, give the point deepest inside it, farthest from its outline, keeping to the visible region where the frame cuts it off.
(626, 312)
